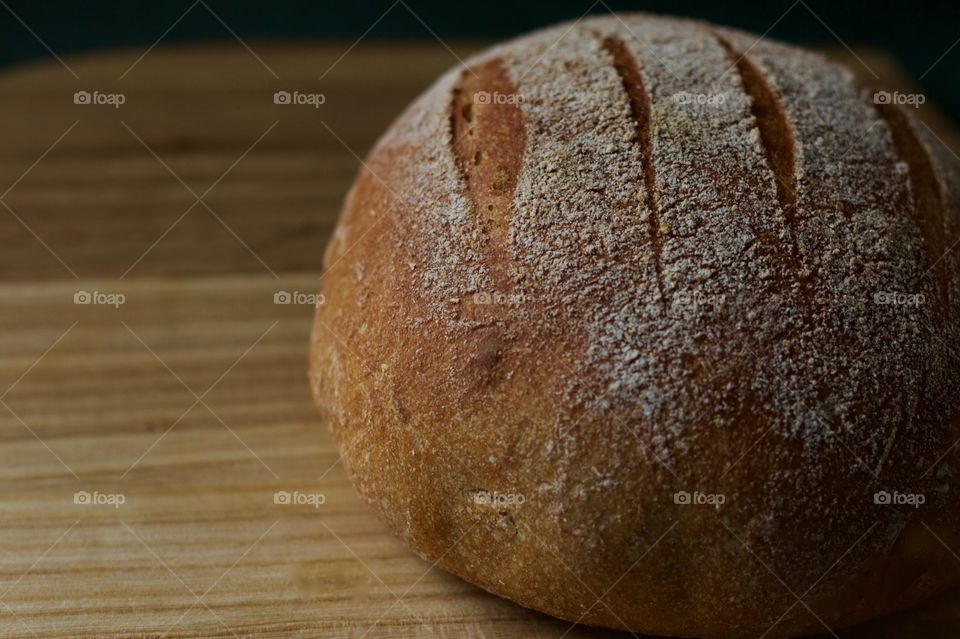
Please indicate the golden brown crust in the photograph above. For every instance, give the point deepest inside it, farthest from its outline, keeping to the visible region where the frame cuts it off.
(614, 281)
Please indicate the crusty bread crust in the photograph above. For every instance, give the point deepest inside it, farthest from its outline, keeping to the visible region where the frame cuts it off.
(658, 258)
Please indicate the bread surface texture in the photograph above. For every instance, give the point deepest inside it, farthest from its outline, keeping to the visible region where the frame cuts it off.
(650, 324)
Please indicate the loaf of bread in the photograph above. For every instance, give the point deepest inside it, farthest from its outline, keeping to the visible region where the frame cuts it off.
(653, 325)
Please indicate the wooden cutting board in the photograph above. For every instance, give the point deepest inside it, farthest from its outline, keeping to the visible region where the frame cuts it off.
(150, 442)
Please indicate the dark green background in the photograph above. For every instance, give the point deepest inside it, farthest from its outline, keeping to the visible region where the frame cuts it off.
(917, 33)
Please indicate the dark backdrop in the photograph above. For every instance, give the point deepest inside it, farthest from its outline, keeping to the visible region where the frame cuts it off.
(916, 32)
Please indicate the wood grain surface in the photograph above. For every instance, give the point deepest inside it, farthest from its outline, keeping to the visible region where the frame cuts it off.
(194, 203)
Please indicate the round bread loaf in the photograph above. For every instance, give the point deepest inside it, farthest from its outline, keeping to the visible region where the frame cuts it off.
(652, 325)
